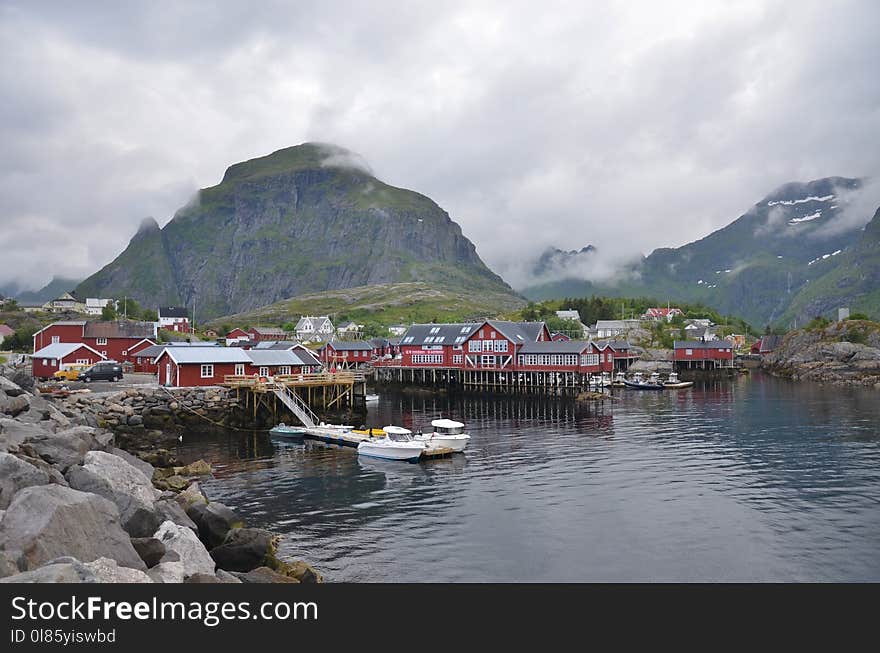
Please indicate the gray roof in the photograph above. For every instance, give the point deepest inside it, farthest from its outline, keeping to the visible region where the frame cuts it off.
(699, 344)
(315, 322)
(207, 355)
(518, 331)
(60, 350)
(555, 347)
(273, 357)
(445, 334)
(268, 331)
(275, 344)
(349, 345)
(173, 311)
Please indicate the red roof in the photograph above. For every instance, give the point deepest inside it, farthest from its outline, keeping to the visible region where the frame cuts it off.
(661, 312)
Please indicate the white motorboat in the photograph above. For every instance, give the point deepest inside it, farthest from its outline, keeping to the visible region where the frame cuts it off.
(620, 379)
(447, 433)
(285, 431)
(397, 444)
(673, 383)
(371, 398)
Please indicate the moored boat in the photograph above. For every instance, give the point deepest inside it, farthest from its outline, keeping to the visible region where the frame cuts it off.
(397, 444)
(447, 433)
(638, 383)
(673, 383)
(285, 431)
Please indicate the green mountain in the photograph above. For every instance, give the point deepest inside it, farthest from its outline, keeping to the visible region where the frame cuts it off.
(58, 286)
(305, 219)
(755, 267)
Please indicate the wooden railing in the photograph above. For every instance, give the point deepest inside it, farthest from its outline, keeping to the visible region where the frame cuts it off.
(318, 378)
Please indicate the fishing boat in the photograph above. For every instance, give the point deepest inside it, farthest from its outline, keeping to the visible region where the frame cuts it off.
(673, 383)
(285, 431)
(638, 383)
(447, 433)
(397, 444)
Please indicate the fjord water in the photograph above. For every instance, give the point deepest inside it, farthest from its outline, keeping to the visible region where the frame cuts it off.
(756, 479)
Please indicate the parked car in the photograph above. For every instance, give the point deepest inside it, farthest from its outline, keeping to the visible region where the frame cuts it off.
(103, 371)
(70, 372)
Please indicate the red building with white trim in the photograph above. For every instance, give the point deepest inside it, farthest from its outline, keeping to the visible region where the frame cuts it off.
(258, 334)
(113, 340)
(48, 360)
(344, 353)
(183, 367)
(703, 354)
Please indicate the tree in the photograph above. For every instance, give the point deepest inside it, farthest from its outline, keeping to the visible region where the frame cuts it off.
(130, 308)
(149, 315)
(108, 313)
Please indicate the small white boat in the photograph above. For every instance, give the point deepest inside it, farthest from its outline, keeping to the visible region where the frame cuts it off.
(371, 398)
(620, 379)
(673, 383)
(447, 433)
(285, 431)
(398, 444)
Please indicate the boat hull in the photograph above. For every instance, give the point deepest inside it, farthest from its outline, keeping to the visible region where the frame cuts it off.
(679, 385)
(286, 432)
(390, 452)
(457, 443)
(643, 386)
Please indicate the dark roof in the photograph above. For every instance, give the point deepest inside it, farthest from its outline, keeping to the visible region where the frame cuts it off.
(380, 342)
(152, 351)
(349, 345)
(268, 331)
(445, 334)
(173, 311)
(275, 344)
(518, 331)
(699, 344)
(619, 344)
(118, 330)
(555, 347)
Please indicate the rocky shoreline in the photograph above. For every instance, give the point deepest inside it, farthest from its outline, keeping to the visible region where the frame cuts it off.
(843, 353)
(77, 508)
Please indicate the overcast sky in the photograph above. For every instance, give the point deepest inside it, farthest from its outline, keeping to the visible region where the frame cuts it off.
(625, 125)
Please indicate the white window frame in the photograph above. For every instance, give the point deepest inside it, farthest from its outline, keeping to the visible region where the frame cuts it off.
(101, 341)
(56, 339)
(688, 352)
(487, 360)
(457, 359)
(501, 346)
(207, 371)
(284, 369)
(264, 371)
(475, 346)
(488, 345)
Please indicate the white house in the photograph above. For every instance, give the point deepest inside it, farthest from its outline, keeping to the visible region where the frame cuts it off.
(612, 328)
(95, 306)
(174, 318)
(310, 327)
(397, 329)
(349, 329)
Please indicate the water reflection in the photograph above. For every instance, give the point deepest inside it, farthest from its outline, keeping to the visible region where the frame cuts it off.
(754, 479)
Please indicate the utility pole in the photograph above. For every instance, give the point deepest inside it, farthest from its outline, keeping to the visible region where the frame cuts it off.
(125, 307)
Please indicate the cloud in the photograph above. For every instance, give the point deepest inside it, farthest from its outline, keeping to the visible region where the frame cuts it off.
(857, 209)
(626, 126)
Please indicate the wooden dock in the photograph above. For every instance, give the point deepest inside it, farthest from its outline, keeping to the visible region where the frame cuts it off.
(321, 390)
(351, 439)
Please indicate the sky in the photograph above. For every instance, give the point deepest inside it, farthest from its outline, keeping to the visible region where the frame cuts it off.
(629, 126)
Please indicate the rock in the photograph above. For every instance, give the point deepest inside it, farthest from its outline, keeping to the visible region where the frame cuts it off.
(13, 405)
(174, 483)
(113, 478)
(145, 468)
(263, 575)
(203, 578)
(54, 475)
(244, 549)
(23, 379)
(135, 420)
(302, 571)
(14, 433)
(109, 571)
(16, 474)
(168, 572)
(47, 521)
(170, 510)
(214, 520)
(192, 495)
(226, 577)
(9, 563)
(64, 448)
(59, 572)
(149, 549)
(183, 541)
(198, 468)
(10, 388)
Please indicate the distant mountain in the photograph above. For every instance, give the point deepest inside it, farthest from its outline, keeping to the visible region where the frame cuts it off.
(755, 266)
(305, 219)
(558, 262)
(51, 290)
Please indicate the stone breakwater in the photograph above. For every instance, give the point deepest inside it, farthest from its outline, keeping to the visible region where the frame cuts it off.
(843, 353)
(75, 508)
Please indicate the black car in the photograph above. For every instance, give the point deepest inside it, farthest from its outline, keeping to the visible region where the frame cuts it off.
(103, 371)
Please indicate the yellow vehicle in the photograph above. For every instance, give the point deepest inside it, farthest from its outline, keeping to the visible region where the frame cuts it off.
(70, 372)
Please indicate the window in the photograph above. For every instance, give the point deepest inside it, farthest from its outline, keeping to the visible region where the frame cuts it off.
(207, 371)
(688, 352)
(501, 345)
(465, 329)
(56, 339)
(82, 361)
(440, 339)
(45, 361)
(284, 369)
(239, 369)
(589, 359)
(481, 334)
(457, 359)
(264, 371)
(427, 359)
(429, 339)
(459, 340)
(435, 330)
(104, 353)
(492, 334)
(102, 341)
(488, 345)
(125, 352)
(407, 340)
(54, 362)
(487, 361)
(475, 345)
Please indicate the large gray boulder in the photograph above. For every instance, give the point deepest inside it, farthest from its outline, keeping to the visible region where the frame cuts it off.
(64, 448)
(109, 571)
(111, 477)
(183, 541)
(170, 510)
(62, 570)
(168, 572)
(48, 521)
(14, 433)
(13, 406)
(10, 388)
(214, 520)
(16, 474)
(244, 549)
(145, 468)
(149, 549)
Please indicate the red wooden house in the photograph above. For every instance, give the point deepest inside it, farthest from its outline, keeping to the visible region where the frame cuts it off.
(200, 366)
(269, 362)
(494, 344)
(703, 354)
(48, 360)
(237, 335)
(114, 340)
(564, 356)
(766, 344)
(258, 334)
(343, 353)
(64, 331)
